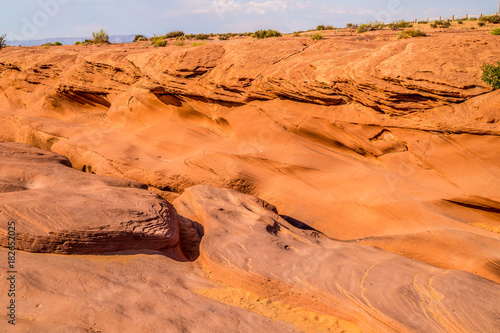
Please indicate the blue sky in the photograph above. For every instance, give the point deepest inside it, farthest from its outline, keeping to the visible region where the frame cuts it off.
(37, 19)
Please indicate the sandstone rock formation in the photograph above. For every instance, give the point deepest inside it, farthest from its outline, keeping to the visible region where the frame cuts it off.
(58, 209)
(365, 140)
(247, 245)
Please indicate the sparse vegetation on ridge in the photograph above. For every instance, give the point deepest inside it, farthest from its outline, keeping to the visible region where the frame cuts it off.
(370, 26)
(495, 19)
(52, 44)
(158, 41)
(261, 34)
(180, 41)
(399, 25)
(316, 37)
(491, 75)
(100, 37)
(441, 24)
(411, 33)
(139, 38)
(174, 34)
(3, 43)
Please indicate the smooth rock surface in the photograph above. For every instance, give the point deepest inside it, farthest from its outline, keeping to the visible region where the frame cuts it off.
(247, 245)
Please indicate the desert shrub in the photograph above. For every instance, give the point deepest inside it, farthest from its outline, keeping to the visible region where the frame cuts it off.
(139, 38)
(78, 43)
(321, 27)
(329, 27)
(316, 37)
(460, 21)
(491, 75)
(296, 34)
(196, 44)
(180, 41)
(473, 19)
(351, 26)
(411, 33)
(399, 25)
(261, 34)
(158, 41)
(363, 28)
(481, 24)
(422, 22)
(441, 24)
(100, 37)
(496, 32)
(201, 36)
(3, 43)
(224, 37)
(52, 44)
(490, 19)
(370, 26)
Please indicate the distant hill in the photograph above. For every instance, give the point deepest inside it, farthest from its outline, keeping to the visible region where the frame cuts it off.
(70, 40)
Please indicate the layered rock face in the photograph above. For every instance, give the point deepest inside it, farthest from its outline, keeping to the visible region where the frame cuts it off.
(58, 209)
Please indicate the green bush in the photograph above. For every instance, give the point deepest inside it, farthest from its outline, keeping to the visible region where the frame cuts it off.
(496, 32)
(329, 27)
(52, 44)
(261, 34)
(481, 24)
(370, 26)
(316, 37)
(351, 26)
(490, 19)
(100, 37)
(158, 41)
(3, 43)
(224, 37)
(201, 36)
(139, 38)
(411, 33)
(296, 34)
(460, 21)
(473, 19)
(180, 41)
(491, 75)
(441, 24)
(422, 22)
(321, 27)
(399, 25)
(78, 43)
(196, 44)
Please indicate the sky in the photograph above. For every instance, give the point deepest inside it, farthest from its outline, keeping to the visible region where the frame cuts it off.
(39, 19)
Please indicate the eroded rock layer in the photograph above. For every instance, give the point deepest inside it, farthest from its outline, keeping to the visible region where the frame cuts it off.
(58, 209)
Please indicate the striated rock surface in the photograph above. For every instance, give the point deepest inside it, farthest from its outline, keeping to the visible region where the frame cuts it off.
(58, 209)
(247, 245)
